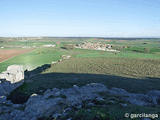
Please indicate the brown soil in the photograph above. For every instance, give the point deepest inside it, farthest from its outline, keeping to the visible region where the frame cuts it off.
(6, 54)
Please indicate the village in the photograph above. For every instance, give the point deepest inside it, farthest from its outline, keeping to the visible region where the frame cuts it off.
(96, 46)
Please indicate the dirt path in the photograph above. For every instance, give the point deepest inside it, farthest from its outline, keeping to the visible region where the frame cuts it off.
(6, 54)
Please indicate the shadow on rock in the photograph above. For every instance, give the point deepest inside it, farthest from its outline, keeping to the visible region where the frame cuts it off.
(13, 78)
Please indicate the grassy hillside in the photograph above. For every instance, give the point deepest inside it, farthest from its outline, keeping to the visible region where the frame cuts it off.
(136, 69)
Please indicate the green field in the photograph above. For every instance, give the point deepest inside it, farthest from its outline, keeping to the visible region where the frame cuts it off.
(42, 56)
(33, 59)
(136, 69)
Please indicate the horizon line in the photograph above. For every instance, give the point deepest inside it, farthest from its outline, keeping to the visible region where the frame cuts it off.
(151, 37)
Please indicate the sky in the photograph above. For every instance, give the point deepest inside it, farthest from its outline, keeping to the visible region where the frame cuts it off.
(80, 18)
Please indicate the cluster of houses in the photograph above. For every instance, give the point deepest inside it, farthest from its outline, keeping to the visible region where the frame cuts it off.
(96, 46)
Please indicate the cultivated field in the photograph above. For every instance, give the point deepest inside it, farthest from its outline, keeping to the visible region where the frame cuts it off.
(6, 54)
(136, 68)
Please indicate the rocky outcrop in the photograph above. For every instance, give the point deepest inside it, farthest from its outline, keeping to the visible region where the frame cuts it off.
(13, 74)
(58, 102)
(11, 79)
(149, 99)
(54, 102)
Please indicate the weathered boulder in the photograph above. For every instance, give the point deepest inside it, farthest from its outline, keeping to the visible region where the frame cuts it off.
(11, 79)
(13, 74)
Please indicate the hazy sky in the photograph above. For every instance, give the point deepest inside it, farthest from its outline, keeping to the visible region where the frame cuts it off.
(107, 18)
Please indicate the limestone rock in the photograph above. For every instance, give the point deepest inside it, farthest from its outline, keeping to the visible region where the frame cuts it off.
(151, 98)
(14, 73)
(11, 79)
(58, 102)
(53, 100)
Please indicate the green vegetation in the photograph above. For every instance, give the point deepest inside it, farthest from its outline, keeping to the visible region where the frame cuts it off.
(136, 69)
(108, 112)
(33, 59)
